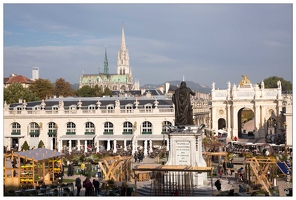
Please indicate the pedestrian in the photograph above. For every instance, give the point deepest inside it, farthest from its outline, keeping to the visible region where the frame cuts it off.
(176, 193)
(82, 167)
(241, 189)
(78, 185)
(96, 185)
(99, 172)
(235, 138)
(135, 157)
(218, 184)
(88, 187)
(224, 164)
(70, 169)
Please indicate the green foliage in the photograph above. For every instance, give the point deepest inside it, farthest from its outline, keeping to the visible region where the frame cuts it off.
(43, 88)
(63, 88)
(16, 91)
(87, 91)
(271, 82)
(41, 144)
(107, 92)
(25, 146)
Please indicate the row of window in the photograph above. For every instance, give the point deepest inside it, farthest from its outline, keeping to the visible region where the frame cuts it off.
(34, 128)
(90, 107)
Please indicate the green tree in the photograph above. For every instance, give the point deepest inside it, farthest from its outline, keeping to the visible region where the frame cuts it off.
(16, 91)
(85, 91)
(63, 88)
(41, 144)
(271, 82)
(107, 92)
(25, 146)
(43, 88)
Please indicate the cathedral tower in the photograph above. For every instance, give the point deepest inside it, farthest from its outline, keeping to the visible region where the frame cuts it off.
(123, 67)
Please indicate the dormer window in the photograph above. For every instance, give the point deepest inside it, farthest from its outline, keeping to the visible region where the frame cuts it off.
(110, 108)
(148, 107)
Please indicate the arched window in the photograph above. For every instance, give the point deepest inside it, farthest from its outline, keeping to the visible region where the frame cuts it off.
(108, 128)
(89, 128)
(71, 128)
(165, 126)
(52, 129)
(127, 128)
(34, 129)
(16, 128)
(146, 127)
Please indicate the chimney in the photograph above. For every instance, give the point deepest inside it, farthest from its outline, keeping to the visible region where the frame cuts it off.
(20, 100)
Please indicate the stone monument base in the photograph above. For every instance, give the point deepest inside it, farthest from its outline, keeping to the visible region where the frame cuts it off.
(186, 149)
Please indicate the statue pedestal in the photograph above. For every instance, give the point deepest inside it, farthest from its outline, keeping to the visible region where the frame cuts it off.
(186, 149)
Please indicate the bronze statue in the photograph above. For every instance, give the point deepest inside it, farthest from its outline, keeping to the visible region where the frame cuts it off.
(183, 107)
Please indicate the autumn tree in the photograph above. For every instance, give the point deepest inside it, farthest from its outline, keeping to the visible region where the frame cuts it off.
(42, 88)
(271, 82)
(63, 88)
(16, 91)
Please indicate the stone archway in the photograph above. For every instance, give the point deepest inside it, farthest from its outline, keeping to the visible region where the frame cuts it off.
(246, 122)
(221, 123)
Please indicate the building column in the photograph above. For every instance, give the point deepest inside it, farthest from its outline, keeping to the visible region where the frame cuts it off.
(59, 145)
(228, 113)
(168, 145)
(9, 146)
(114, 146)
(70, 146)
(235, 122)
(78, 144)
(98, 146)
(145, 148)
(124, 144)
(108, 145)
(85, 146)
(150, 146)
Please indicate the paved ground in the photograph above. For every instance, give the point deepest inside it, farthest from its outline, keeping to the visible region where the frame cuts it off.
(227, 183)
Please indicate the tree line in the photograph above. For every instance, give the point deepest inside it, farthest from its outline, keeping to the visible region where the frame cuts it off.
(45, 89)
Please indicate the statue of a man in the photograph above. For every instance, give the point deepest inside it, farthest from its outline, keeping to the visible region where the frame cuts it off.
(183, 107)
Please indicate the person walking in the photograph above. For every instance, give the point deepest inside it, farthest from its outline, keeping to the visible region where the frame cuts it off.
(88, 187)
(82, 168)
(78, 185)
(96, 185)
(218, 184)
(224, 164)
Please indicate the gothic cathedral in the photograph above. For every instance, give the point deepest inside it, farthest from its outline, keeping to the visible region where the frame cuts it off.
(122, 81)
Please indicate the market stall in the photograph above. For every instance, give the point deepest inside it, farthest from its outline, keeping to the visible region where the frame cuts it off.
(27, 169)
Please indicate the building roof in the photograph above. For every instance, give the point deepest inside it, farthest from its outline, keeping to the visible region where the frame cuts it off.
(39, 154)
(18, 79)
(104, 102)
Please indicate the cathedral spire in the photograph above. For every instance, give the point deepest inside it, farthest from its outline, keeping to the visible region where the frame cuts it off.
(123, 46)
(106, 68)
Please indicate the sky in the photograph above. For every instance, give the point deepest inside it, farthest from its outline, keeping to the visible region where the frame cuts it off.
(202, 42)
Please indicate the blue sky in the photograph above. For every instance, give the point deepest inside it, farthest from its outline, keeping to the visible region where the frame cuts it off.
(204, 42)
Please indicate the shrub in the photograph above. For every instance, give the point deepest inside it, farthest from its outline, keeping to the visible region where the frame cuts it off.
(25, 146)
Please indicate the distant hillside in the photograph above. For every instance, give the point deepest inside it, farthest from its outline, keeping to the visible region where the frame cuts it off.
(196, 87)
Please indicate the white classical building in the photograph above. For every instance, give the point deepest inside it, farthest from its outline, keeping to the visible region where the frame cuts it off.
(271, 108)
(74, 124)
